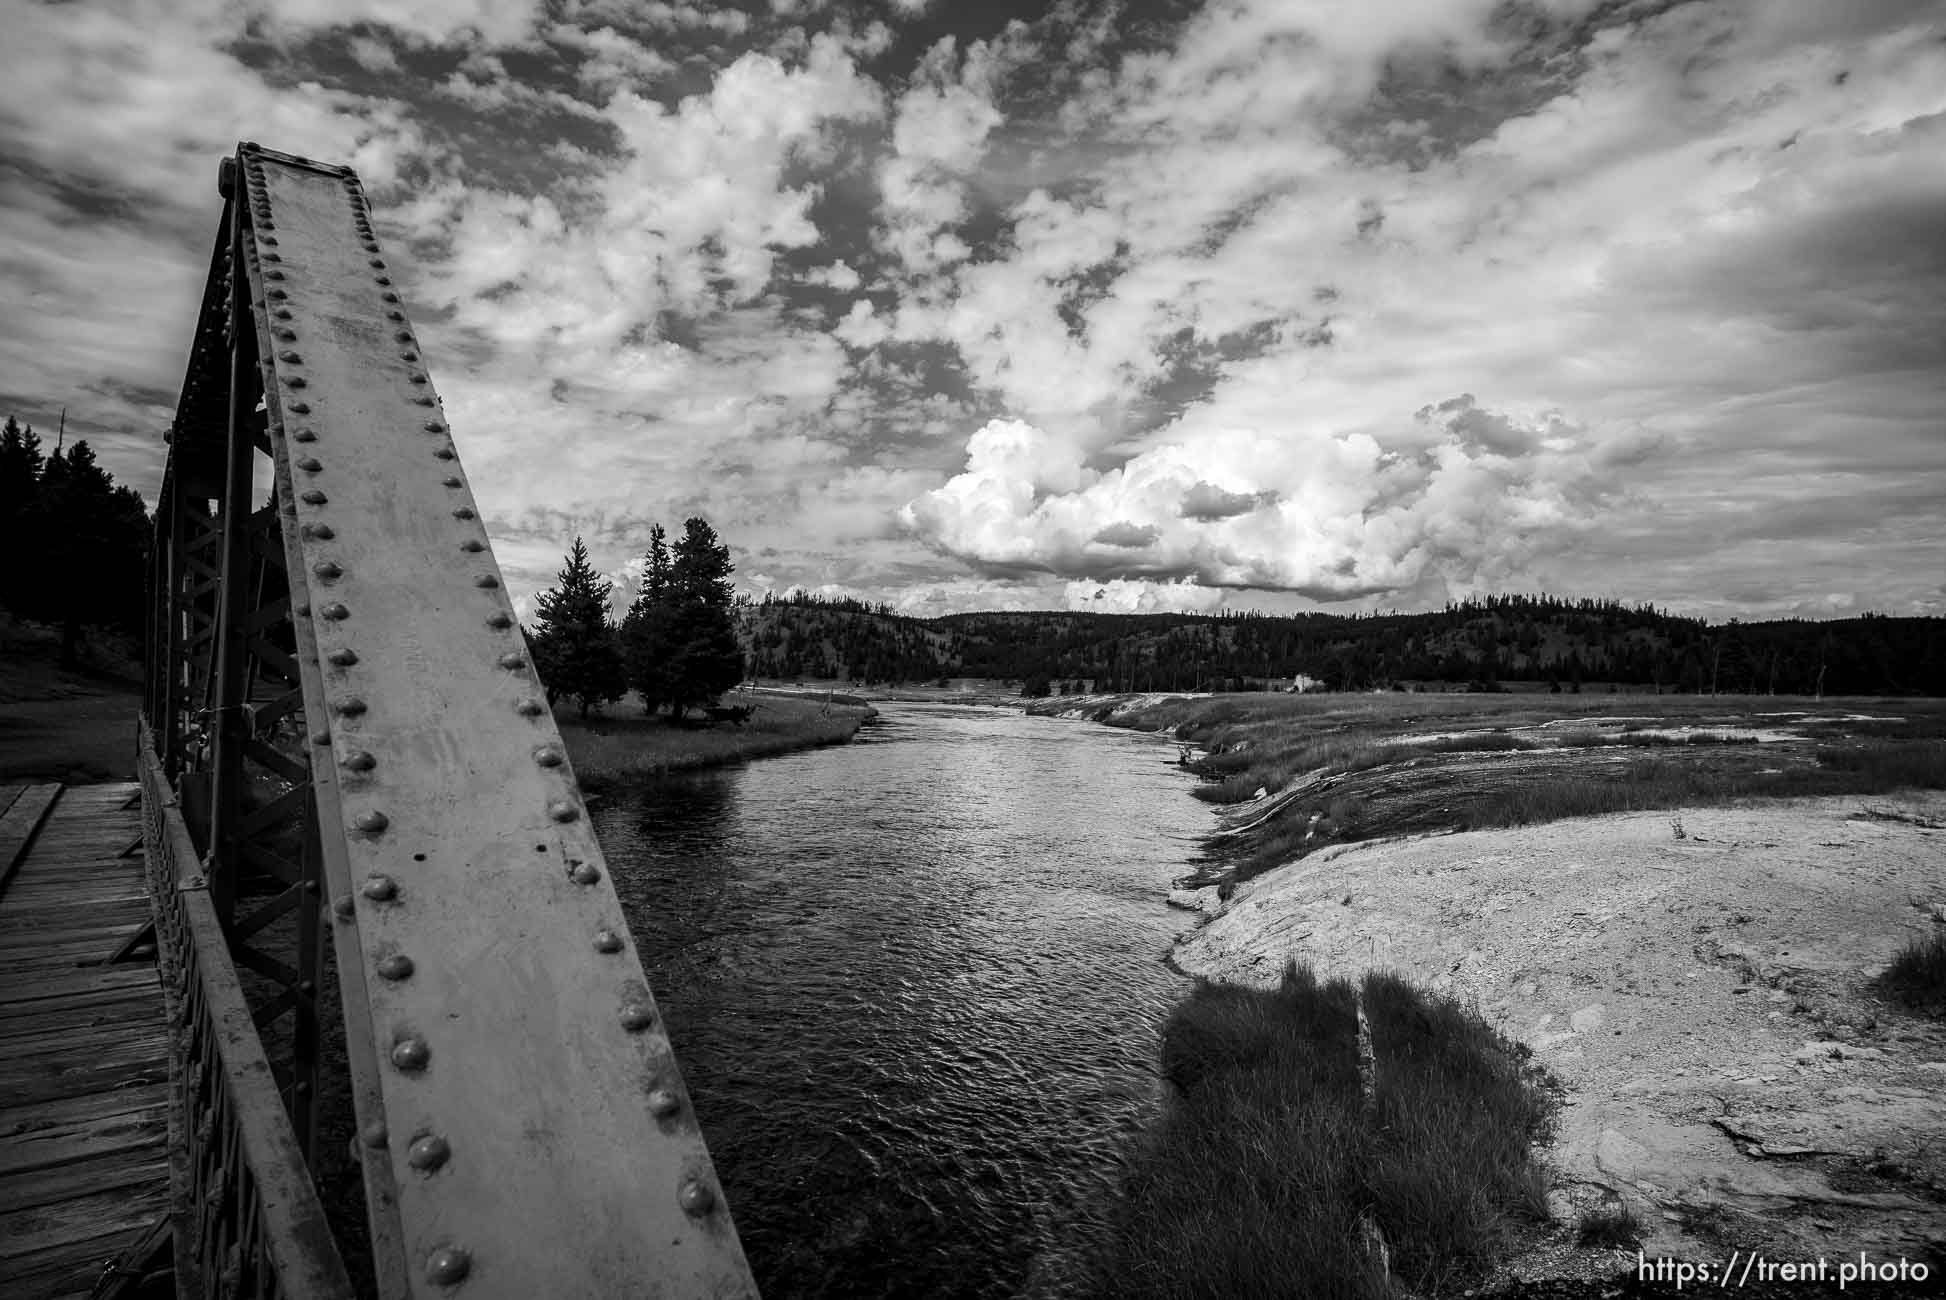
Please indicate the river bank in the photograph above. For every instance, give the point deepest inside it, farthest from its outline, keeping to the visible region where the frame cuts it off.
(1697, 959)
(624, 745)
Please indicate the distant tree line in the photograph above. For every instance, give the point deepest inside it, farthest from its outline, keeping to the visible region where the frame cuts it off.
(676, 646)
(75, 544)
(1482, 644)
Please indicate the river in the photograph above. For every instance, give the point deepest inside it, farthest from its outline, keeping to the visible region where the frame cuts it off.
(915, 983)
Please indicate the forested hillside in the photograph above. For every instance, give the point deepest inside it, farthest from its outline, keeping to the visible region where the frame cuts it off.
(1482, 643)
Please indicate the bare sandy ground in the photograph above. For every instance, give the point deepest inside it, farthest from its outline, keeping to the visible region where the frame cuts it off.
(1705, 999)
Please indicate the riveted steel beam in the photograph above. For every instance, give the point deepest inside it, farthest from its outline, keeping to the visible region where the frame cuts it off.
(522, 1124)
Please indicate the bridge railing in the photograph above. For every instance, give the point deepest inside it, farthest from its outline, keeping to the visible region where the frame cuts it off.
(247, 1220)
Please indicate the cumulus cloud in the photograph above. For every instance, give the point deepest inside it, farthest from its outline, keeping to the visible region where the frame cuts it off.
(1329, 517)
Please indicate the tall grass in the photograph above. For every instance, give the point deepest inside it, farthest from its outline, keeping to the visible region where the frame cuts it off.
(1917, 976)
(1267, 1171)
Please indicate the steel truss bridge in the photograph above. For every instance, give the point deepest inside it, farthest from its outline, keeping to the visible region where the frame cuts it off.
(368, 864)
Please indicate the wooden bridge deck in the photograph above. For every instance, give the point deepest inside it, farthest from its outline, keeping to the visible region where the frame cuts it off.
(83, 1047)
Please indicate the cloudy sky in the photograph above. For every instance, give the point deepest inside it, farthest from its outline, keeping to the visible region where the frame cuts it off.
(1114, 304)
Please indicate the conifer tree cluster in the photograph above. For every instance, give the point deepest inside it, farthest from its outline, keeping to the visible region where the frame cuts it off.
(75, 544)
(677, 646)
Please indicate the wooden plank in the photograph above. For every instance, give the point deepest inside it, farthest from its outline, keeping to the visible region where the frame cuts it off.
(81, 979)
(142, 1167)
(42, 1228)
(65, 1144)
(72, 1110)
(80, 1006)
(123, 1014)
(18, 825)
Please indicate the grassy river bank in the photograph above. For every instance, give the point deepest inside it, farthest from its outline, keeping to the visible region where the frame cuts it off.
(624, 745)
(1421, 1063)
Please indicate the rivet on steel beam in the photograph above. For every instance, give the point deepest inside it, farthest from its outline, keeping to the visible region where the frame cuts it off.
(374, 1134)
(306, 435)
(360, 760)
(548, 756)
(446, 453)
(448, 1265)
(428, 1152)
(435, 426)
(396, 967)
(500, 622)
(343, 658)
(423, 399)
(320, 738)
(394, 315)
(313, 497)
(409, 355)
(513, 662)
(411, 1053)
(304, 610)
(277, 295)
(282, 313)
(344, 909)
(321, 532)
(306, 987)
(696, 1198)
(381, 279)
(637, 1016)
(530, 708)
(299, 408)
(403, 336)
(273, 275)
(271, 257)
(372, 822)
(285, 335)
(295, 381)
(463, 512)
(605, 940)
(328, 570)
(380, 889)
(663, 1103)
(585, 873)
(563, 810)
(451, 480)
(418, 377)
(335, 611)
(350, 707)
(472, 545)
(379, 263)
(388, 297)
(291, 357)
(369, 245)
(310, 464)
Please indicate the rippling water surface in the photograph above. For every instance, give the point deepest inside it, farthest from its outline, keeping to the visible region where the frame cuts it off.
(915, 984)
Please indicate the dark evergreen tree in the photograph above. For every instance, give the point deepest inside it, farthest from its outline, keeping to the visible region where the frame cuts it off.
(648, 633)
(576, 650)
(20, 473)
(706, 659)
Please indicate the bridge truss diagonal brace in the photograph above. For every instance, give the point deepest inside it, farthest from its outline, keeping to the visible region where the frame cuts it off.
(518, 1079)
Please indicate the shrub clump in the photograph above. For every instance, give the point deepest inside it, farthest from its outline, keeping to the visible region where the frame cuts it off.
(1268, 1173)
(1917, 976)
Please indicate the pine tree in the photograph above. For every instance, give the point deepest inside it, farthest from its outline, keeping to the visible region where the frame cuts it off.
(575, 648)
(706, 659)
(646, 631)
(20, 473)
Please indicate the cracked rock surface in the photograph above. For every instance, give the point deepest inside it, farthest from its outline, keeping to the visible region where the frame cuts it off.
(1707, 1002)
